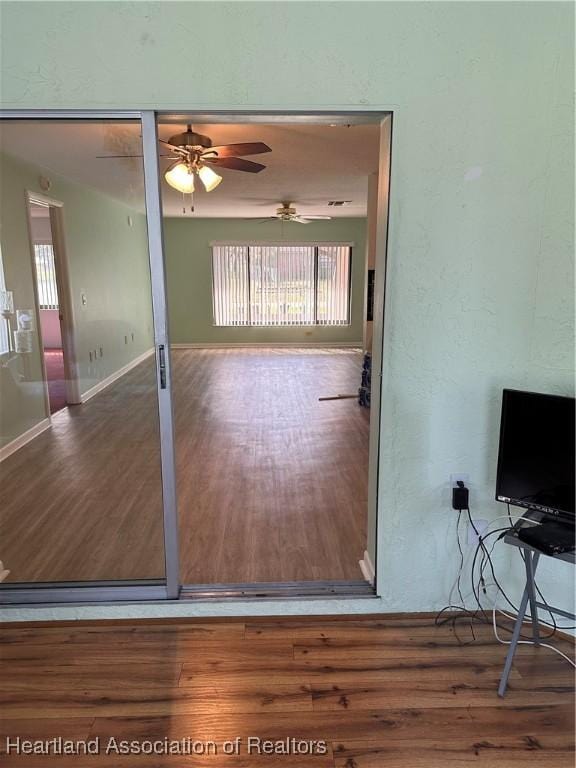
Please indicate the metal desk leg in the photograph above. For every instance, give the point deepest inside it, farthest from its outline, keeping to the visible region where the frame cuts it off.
(531, 561)
(513, 643)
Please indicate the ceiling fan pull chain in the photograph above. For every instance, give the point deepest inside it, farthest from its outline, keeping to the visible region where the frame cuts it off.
(184, 202)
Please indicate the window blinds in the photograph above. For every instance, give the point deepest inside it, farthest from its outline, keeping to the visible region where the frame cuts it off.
(46, 276)
(281, 285)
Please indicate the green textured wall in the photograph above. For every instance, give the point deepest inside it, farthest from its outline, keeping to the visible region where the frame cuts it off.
(108, 262)
(189, 273)
(482, 207)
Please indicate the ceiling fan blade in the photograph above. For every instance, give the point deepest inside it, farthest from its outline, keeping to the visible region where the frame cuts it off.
(247, 148)
(235, 164)
(299, 220)
(104, 157)
(172, 148)
(315, 218)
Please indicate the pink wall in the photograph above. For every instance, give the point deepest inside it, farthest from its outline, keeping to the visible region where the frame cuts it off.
(50, 322)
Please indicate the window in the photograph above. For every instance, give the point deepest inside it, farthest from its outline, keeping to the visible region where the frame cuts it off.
(288, 284)
(46, 276)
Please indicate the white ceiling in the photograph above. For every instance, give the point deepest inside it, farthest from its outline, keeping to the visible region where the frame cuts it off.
(309, 164)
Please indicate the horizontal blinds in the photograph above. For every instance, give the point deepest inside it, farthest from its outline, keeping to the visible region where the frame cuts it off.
(46, 276)
(281, 284)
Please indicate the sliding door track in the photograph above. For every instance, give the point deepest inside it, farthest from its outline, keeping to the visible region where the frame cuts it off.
(275, 590)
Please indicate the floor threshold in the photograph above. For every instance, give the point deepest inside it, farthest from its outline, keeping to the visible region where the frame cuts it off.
(277, 590)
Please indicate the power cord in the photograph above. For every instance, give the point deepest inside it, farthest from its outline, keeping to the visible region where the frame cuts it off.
(479, 614)
(527, 642)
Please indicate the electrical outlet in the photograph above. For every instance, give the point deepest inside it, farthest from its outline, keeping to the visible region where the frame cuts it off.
(101, 352)
(481, 526)
(125, 339)
(461, 476)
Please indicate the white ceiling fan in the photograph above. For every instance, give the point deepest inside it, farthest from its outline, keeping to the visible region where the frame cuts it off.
(286, 212)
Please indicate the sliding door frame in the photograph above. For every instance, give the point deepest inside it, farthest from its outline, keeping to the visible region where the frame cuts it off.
(384, 119)
(170, 588)
(140, 590)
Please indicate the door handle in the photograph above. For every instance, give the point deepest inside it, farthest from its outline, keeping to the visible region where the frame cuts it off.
(162, 365)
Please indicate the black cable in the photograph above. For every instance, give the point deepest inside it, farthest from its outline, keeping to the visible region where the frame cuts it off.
(556, 626)
(476, 589)
(479, 614)
(461, 556)
(553, 625)
(481, 545)
(465, 613)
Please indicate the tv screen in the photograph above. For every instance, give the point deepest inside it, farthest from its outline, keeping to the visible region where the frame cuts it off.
(536, 456)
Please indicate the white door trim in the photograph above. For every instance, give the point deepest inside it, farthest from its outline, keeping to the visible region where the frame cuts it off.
(66, 308)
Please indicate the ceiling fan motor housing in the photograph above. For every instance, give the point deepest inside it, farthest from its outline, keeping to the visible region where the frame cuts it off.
(286, 210)
(190, 139)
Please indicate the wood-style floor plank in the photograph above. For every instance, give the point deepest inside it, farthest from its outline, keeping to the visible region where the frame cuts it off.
(428, 694)
(506, 751)
(155, 702)
(104, 675)
(159, 651)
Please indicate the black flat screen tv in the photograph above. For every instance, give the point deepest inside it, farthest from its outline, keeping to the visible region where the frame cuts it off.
(536, 455)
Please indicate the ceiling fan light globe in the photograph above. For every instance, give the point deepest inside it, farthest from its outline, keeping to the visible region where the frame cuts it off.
(209, 178)
(180, 177)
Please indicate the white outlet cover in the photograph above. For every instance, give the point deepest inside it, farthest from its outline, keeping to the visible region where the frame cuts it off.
(481, 526)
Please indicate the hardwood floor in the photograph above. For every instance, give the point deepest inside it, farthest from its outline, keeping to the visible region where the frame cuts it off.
(397, 692)
(272, 484)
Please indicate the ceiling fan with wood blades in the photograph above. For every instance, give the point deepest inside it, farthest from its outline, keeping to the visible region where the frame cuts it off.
(194, 155)
(198, 149)
(286, 212)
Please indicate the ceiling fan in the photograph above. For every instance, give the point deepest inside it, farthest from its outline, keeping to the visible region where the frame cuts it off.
(194, 155)
(287, 213)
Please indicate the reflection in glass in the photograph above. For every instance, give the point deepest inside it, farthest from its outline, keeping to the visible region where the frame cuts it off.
(80, 483)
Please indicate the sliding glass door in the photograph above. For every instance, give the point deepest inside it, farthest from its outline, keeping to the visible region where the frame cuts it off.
(276, 484)
(86, 488)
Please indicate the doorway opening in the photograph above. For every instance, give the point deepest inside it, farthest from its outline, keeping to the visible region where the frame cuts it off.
(273, 346)
(45, 266)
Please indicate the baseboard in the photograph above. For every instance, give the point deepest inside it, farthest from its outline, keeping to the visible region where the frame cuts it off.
(270, 344)
(367, 568)
(25, 437)
(116, 375)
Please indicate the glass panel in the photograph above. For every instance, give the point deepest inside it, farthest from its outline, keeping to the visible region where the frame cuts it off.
(80, 490)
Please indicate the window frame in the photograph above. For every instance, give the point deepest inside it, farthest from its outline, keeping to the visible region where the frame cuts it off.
(288, 244)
